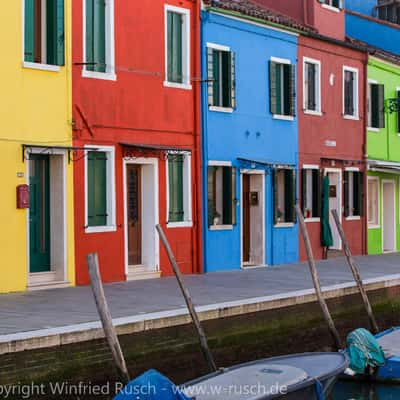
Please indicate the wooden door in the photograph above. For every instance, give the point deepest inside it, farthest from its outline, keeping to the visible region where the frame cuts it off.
(39, 213)
(134, 211)
(246, 218)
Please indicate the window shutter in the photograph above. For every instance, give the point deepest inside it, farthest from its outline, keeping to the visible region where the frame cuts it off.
(29, 39)
(275, 188)
(398, 111)
(381, 105)
(233, 80)
(290, 195)
(99, 35)
(360, 190)
(304, 190)
(233, 196)
(55, 32)
(311, 87)
(91, 165)
(292, 90)
(273, 88)
(210, 76)
(211, 195)
(316, 178)
(97, 189)
(340, 2)
(346, 194)
(217, 77)
(89, 35)
(60, 33)
(175, 181)
(227, 195)
(174, 47)
(349, 93)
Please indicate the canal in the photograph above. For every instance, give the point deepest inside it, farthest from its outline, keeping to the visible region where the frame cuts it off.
(365, 391)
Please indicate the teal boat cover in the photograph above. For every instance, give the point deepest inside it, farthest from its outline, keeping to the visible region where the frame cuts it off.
(364, 350)
(151, 385)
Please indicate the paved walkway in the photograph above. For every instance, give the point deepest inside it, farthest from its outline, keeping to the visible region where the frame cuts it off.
(33, 311)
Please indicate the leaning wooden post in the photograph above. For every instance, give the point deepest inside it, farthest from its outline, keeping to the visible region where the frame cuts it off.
(105, 316)
(356, 273)
(195, 318)
(316, 281)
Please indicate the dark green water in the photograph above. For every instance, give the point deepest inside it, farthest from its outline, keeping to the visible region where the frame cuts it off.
(365, 391)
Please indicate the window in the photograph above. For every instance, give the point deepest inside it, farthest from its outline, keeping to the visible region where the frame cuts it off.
(100, 210)
(333, 3)
(311, 193)
(221, 77)
(99, 39)
(350, 92)
(376, 106)
(353, 194)
(44, 32)
(221, 195)
(179, 201)
(373, 202)
(284, 195)
(388, 12)
(177, 47)
(311, 87)
(282, 88)
(398, 109)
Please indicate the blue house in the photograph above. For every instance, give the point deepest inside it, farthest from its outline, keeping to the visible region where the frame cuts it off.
(250, 136)
(375, 22)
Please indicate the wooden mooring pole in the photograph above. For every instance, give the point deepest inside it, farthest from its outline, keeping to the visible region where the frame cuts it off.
(316, 281)
(195, 318)
(105, 316)
(356, 273)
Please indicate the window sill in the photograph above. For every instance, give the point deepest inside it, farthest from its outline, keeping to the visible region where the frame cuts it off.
(228, 110)
(311, 112)
(314, 219)
(331, 8)
(283, 117)
(351, 117)
(375, 130)
(41, 67)
(175, 85)
(100, 229)
(355, 218)
(106, 76)
(284, 225)
(183, 224)
(374, 226)
(220, 227)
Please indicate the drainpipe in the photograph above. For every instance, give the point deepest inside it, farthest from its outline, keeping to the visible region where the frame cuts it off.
(365, 158)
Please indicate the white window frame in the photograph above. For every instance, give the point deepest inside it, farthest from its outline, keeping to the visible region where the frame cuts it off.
(185, 12)
(330, 6)
(111, 204)
(110, 74)
(187, 192)
(369, 127)
(33, 65)
(376, 180)
(310, 167)
(318, 87)
(356, 94)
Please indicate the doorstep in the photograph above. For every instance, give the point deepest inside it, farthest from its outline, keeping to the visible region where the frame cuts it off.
(140, 272)
(45, 280)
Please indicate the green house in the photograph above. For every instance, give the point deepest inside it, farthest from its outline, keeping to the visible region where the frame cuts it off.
(383, 152)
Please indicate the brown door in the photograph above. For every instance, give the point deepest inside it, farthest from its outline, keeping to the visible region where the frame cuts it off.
(246, 218)
(134, 204)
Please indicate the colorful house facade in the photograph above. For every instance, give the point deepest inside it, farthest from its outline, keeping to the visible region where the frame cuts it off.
(250, 142)
(37, 248)
(136, 111)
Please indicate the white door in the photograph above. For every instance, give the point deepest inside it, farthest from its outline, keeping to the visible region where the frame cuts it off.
(335, 203)
(388, 217)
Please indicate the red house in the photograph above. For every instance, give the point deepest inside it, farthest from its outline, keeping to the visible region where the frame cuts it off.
(135, 104)
(331, 88)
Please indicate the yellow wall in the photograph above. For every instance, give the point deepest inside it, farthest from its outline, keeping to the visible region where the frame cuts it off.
(35, 108)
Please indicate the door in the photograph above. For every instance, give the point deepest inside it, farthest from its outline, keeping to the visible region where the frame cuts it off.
(335, 203)
(134, 213)
(246, 218)
(388, 216)
(39, 213)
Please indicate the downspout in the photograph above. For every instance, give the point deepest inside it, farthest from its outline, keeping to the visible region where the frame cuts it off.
(365, 158)
(197, 237)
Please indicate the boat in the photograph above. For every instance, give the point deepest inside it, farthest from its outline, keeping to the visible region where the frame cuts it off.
(307, 376)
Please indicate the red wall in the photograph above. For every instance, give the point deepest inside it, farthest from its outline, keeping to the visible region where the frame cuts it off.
(315, 130)
(135, 108)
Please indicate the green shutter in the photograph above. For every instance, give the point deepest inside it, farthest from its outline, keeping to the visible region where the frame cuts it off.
(217, 77)
(29, 39)
(97, 188)
(55, 32)
(381, 105)
(210, 76)
(227, 195)
(174, 47)
(346, 188)
(377, 106)
(304, 190)
(175, 180)
(292, 89)
(316, 177)
(96, 35)
(233, 80)
(89, 35)
(211, 195)
(273, 87)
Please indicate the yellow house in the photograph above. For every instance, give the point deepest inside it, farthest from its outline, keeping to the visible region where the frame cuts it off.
(36, 239)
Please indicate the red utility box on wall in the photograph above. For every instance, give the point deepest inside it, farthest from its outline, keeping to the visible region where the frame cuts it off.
(23, 196)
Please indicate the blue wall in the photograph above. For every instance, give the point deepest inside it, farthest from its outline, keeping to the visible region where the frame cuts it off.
(377, 34)
(361, 6)
(249, 132)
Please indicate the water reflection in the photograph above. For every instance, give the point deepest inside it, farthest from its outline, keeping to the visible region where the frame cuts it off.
(365, 391)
